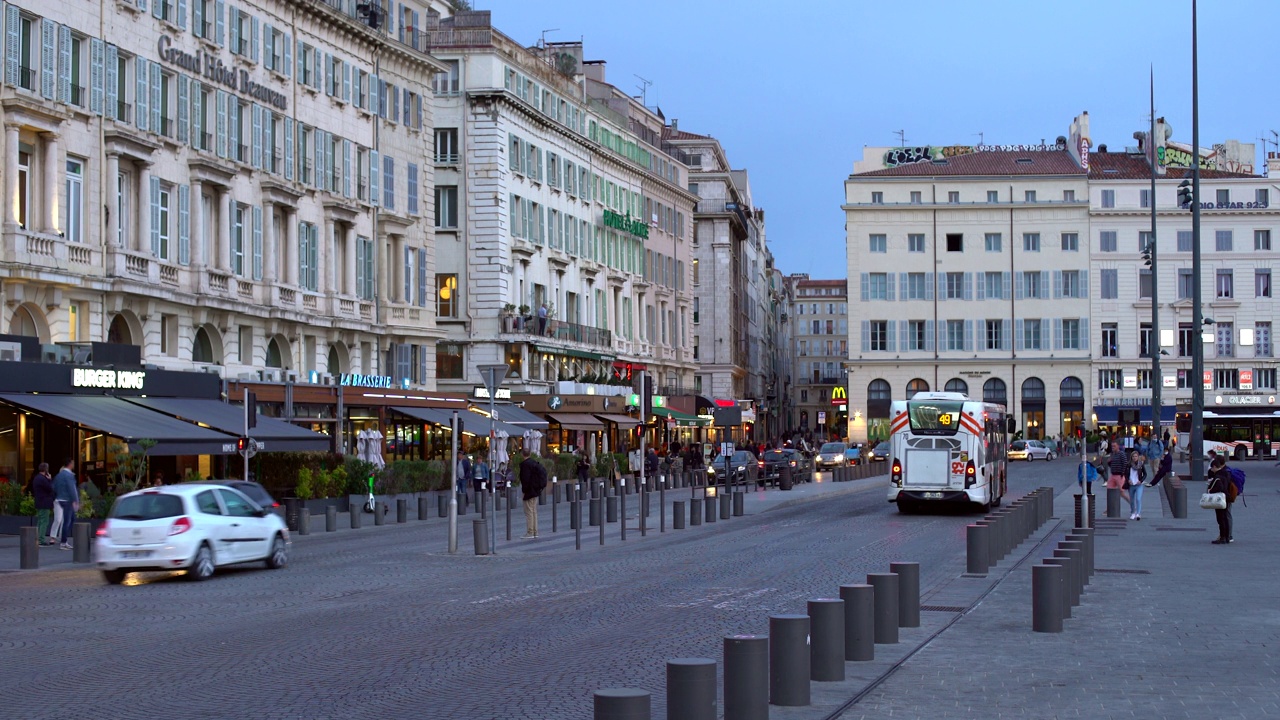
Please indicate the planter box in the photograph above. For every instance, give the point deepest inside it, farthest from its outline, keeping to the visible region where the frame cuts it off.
(9, 524)
(318, 506)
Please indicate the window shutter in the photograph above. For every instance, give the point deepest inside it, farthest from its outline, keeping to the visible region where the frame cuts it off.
(411, 188)
(184, 225)
(317, 177)
(408, 261)
(1021, 284)
(287, 61)
(968, 285)
(257, 242)
(389, 182)
(1057, 284)
(1084, 283)
(866, 335)
(156, 108)
(253, 39)
(48, 58)
(317, 78)
(64, 64)
(197, 112)
(304, 239)
(301, 59)
(1006, 328)
(142, 94)
(12, 43)
(1044, 282)
(903, 333)
(375, 92)
(981, 281)
(422, 277)
(346, 168)
(182, 14)
(268, 46)
(288, 148)
(375, 167)
(328, 87)
(235, 31)
(889, 295)
(1018, 328)
(221, 124)
(257, 136)
(184, 108)
(346, 82)
(1057, 333)
(97, 53)
(110, 82)
(866, 278)
(360, 267)
(968, 335)
(1005, 282)
(357, 88)
(890, 336)
(1084, 338)
(157, 9)
(155, 216)
(417, 112)
(928, 286)
(197, 19)
(220, 21)
(930, 335)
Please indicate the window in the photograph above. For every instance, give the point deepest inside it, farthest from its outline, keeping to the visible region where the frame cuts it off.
(1184, 241)
(1070, 242)
(1031, 284)
(164, 227)
(995, 335)
(955, 335)
(915, 197)
(1222, 240)
(1071, 334)
(992, 242)
(1144, 283)
(1224, 197)
(446, 206)
(446, 295)
(1108, 198)
(1144, 379)
(1030, 196)
(1223, 284)
(1144, 340)
(879, 335)
(916, 287)
(915, 242)
(1107, 241)
(124, 188)
(1110, 285)
(74, 228)
(309, 257)
(27, 73)
(446, 146)
(1186, 340)
(1262, 342)
(1031, 242)
(955, 242)
(993, 196)
(1071, 284)
(1225, 379)
(1185, 281)
(366, 278)
(449, 361)
(239, 228)
(1262, 283)
(1225, 345)
(879, 244)
(993, 283)
(1264, 378)
(1110, 343)
(953, 196)
(1144, 198)
(916, 335)
(1068, 196)
(878, 287)
(955, 286)
(877, 198)
(1261, 238)
(449, 81)
(1110, 380)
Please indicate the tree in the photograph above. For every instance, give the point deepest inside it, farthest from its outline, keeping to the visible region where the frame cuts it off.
(132, 466)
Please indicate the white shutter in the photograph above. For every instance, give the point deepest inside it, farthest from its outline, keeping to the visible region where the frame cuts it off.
(1021, 287)
(304, 239)
(288, 55)
(1018, 328)
(111, 80)
(889, 290)
(1084, 338)
(257, 136)
(64, 64)
(866, 336)
(12, 43)
(930, 335)
(1057, 333)
(866, 278)
(235, 30)
(155, 216)
(197, 19)
(97, 55)
(1005, 283)
(182, 14)
(329, 87)
(142, 95)
(300, 60)
(346, 168)
(1057, 284)
(346, 82)
(981, 290)
(268, 46)
(220, 21)
(1005, 330)
(184, 225)
(257, 242)
(317, 77)
(184, 108)
(221, 124)
(891, 332)
(968, 336)
(197, 114)
(375, 172)
(157, 9)
(1044, 283)
(288, 148)
(48, 58)
(253, 39)
(156, 108)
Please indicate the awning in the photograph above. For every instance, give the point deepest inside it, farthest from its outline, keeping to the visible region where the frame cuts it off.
(570, 352)
(516, 415)
(434, 416)
(472, 423)
(623, 421)
(274, 435)
(129, 422)
(682, 419)
(576, 421)
(1110, 414)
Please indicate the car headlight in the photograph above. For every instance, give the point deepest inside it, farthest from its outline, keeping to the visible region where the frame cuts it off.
(741, 468)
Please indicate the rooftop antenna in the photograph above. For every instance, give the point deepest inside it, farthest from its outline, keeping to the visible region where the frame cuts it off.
(980, 137)
(543, 42)
(902, 137)
(644, 90)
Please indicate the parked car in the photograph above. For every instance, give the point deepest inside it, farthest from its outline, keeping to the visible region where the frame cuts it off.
(1029, 450)
(774, 460)
(853, 456)
(196, 527)
(830, 455)
(741, 467)
(880, 452)
(255, 491)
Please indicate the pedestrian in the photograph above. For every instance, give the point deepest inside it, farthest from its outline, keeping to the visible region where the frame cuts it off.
(1220, 482)
(479, 474)
(502, 477)
(533, 479)
(1118, 465)
(462, 471)
(1155, 452)
(42, 488)
(158, 481)
(651, 463)
(1211, 456)
(1165, 469)
(64, 492)
(1137, 481)
(542, 319)
(584, 470)
(1166, 437)
(1085, 475)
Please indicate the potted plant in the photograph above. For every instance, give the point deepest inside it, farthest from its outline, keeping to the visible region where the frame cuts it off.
(508, 317)
(551, 319)
(524, 317)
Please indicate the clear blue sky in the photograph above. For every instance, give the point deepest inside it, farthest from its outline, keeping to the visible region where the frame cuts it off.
(795, 90)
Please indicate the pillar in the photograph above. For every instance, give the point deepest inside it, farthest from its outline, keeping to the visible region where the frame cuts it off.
(395, 289)
(199, 242)
(11, 172)
(111, 196)
(290, 251)
(349, 256)
(52, 171)
(223, 253)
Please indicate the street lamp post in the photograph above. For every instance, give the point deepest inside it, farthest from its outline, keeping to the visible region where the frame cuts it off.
(1153, 345)
(493, 376)
(1197, 310)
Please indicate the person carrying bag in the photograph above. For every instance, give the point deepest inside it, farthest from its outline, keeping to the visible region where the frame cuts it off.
(1218, 497)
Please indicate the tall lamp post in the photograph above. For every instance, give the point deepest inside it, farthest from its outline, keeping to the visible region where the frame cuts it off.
(1153, 345)
(493, 376)
(1197, 311)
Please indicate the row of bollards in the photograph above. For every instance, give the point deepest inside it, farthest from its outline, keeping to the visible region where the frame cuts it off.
(779, 668)
(29, 545)
(846, 473)
(1058, 583)
(993, 537)
(1175, 491)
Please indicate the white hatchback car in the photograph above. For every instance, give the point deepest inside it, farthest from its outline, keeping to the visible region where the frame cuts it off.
(1029, 450)
(192, 526)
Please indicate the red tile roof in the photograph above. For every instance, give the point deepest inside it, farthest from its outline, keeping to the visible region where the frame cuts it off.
(1124, 166)
(822, 283)
(988, 164)
(669, 134)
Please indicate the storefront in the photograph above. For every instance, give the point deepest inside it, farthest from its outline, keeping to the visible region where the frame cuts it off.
(594, 423)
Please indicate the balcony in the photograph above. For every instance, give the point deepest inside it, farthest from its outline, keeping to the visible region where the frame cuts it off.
(242, 153)
(559, 330)
(26, 78)
(206, 142)
(446, 158)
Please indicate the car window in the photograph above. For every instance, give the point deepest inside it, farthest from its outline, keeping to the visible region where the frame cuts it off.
(237, 506)
(147, 506)
(833, 448)
(882, 448)
(207, 503)
(255, 492)
(774, 455)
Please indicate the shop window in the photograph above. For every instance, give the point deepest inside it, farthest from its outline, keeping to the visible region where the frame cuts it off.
(449, 361)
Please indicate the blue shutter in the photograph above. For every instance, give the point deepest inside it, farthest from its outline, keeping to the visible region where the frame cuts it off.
(288, 148)
(268, 46)
(889, 295)
(197, 113)
(184, 225)
(968, 335)
(256, 151)
(300, 59)
(930, 335)
(1084, 338)
(110, 81)
(328, 87)
(304, 239)
(389, 181)
(221, 124)
(182, 14)
(360, 267)
(197, 20)
(1005, 281)
(287, 60)
(142, 95)
(422, 277)
(253, 39)
(48, 58)
(346, 168)
(980, 279)
(257, 242)
(1006, 329)
(928, 286)
(968, 285)
(12, 43)
(156, 108)
(346, 81)
(866, 335)
(1057, 333)
(891, 332)
(184, 108)
(1018, 328)
(97, 55)
(866, 277)
(1044, 283)
(235, 31)
(904, 283)
(1057, 284)
(411, 183)
(317, 77)
(1021, 288)
(375, 174)
(64, 64)
(407, 261)
(155, 216)
(220, 21)
(904, 333)
(317, 177)
(1084, 283)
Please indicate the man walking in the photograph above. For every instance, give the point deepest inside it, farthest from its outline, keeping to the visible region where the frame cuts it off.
(42, 488)
(1119, 467)
(533, 479)
(64, 492)
(461, 473)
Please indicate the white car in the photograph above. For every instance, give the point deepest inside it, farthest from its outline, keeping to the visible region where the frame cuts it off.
(831, 455)
(1029, 450)
(195, 527)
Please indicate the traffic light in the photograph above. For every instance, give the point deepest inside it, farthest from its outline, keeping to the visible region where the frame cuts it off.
(1186, 197)
(1011, 424)
(251, 409)
(242, 444)
(646, 395)
(1147, 251)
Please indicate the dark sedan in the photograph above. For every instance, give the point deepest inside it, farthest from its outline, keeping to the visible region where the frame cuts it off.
(774, 460)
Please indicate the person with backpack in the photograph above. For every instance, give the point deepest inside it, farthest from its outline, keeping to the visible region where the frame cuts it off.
(1220, 482)
(1085, 475)
(1137, 480)
(533, 480)
(1165, 469)
(1118, 465)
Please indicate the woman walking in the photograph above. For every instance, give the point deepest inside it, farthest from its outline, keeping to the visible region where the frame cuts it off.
(1137, 481)
(1220, 482)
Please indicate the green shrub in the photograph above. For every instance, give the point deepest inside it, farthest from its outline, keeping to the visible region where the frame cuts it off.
(304, 490)
(86, 505)
(358, 472)
(436, 479)
(10, 497)
(102, 505)
(566, 466)
(278, 471)
(338, 481)
(27, 507)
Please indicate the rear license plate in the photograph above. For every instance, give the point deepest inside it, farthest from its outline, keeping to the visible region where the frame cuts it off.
(134, 554)
(933, 496)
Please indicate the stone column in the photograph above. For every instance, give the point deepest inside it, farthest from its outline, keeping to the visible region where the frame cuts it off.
(349, 255)
(53, 169)
(269, 272)
(142, 241)
(196, 221)
(223, 252)
(395, 269)
(111, 197)
(290, 252)
(11, 173)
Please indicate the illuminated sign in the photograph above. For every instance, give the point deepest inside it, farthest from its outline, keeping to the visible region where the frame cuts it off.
(626, 224)
(839, 396)
(481, 392)
(1246, 379)
(366, 381)
(108, 379)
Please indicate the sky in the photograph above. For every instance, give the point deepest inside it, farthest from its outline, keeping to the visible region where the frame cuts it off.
(795, 91)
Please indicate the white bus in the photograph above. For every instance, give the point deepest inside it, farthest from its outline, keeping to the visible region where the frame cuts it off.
(945, 447)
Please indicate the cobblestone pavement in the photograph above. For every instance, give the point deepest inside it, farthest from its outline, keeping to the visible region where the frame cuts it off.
(382, 623)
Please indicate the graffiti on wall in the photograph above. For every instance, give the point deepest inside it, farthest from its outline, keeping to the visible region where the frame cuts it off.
(895, 157)
(1180, 156)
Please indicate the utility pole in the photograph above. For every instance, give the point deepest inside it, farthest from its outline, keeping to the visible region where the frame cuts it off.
(1154, 345)
(1197, 309)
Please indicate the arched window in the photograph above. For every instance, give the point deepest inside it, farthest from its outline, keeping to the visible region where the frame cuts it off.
(1071, 389)
(1033, 389)
(119, 331)
(332, 364)
(275, 355)
(916, 386)
(957, 385)
(202, 347)
(23, 324)
(879, 390)
(995, 391)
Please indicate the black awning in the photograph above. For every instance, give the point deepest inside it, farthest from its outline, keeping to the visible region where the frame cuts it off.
(514, 415)
(435, 416)
(129, 422)
(272, 434)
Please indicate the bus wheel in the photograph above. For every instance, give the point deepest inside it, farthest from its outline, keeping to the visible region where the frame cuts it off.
(1240, 453)
(907, 507)
(996, 502)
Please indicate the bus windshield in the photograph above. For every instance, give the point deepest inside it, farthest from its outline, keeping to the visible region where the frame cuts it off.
(934, 417)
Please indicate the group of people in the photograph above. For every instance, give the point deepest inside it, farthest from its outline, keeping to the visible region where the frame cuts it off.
(57, 502)
(533, 481)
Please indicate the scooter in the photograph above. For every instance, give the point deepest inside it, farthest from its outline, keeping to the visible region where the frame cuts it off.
(368, 504)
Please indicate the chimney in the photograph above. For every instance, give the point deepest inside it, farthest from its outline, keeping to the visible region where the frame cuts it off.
(675, 124)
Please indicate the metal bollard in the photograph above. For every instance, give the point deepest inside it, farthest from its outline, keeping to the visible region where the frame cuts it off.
(691, 689)
(442, 506)
(1179, 501)
(695, 511)
(355, 517)
(423, 506)
(511, 500)
(304, 522)
(556, 492)
(726, 506)
(886, 603)
(739, 504)
(1085, 535)
(709, 505)
(622, 526)
(80, 542)
(1079, 510)
(826, 646)
(573, 515)
(644, 511)
(977, 559)
(662, 507)
(462, 505)
(1046, 598)
(555, 521)
(784, 478)
(575, 510)
(622, 704)
(746, 677)
(593, 512)
(789, 660)
(990, 532)
(29, 548)
(1064, 589)
(291, 512)
(380, 513)
(542, 499)
(908, 592)
(330, 519)
(612, 509)
(677, 514)
(1113, 502)
(859, 622)
(1073, 550)
(480, 536)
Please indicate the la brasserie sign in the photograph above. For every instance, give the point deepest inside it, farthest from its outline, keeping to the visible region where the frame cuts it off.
(214, 70)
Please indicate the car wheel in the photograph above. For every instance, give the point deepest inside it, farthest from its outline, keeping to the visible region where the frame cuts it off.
(279, 556)
(114, 577)
(1030, 456)
(202, 566)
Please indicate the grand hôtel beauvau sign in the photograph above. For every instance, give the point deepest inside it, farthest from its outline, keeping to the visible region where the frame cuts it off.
(212, 68)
